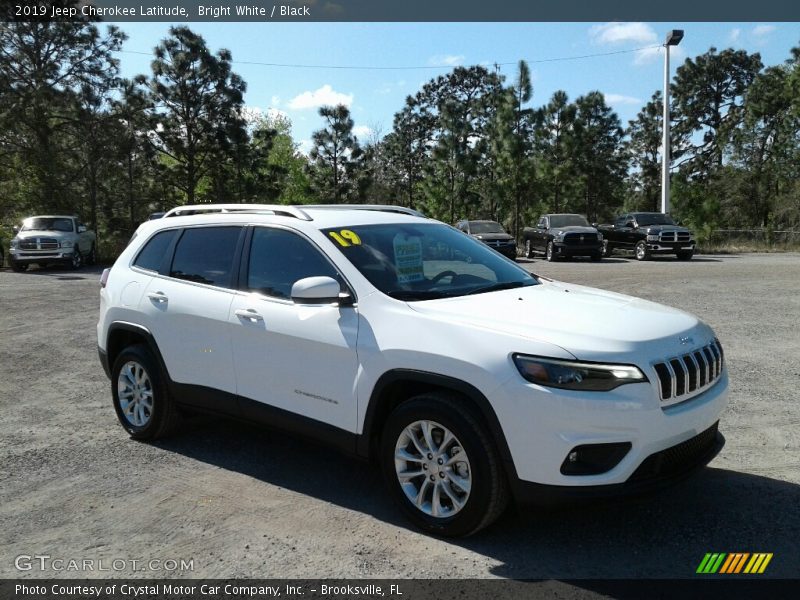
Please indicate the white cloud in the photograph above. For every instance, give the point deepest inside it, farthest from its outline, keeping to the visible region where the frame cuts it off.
(621, 99)
(734, 35)
(305, 146)
(623, 33)
(763, 30)
(362, 131)
(324, 96)
(446, 60)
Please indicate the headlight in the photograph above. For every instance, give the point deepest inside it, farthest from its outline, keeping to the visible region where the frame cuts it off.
(652, 238)
(599, 237)
(66, 244)
(560, 235)
(14, 243)
(575, 375)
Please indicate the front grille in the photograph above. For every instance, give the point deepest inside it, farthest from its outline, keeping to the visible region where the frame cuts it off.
(674, 236)
(678, 458)
(498, 243)
(39, 244)
(691, 372)
(580, 239)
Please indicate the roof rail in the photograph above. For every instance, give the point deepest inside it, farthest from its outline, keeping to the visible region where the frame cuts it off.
(276, 209)
(377, 207)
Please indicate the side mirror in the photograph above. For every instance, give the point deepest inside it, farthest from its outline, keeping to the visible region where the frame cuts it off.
(81, 228)
(15, 229)
(319, 290)
(594, 225)
(629, 225)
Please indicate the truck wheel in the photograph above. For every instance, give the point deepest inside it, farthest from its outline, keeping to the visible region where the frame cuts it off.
(19, 267)
(528, 249)
(141, 400)
(642, 253)
(76, 262)
(608, 249)
(441, 465)
(685, 255)
(597, 257)
(551, 252)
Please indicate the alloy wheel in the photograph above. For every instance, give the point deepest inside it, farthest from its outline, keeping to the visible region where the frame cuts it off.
(432, 469)
(135, 391)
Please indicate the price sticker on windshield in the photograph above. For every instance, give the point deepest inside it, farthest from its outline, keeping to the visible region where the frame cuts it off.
(345, 238)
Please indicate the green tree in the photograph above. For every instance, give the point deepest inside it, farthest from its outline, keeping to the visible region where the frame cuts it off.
(199, 100)
(644, 150)
(335, 156)
(554, 137)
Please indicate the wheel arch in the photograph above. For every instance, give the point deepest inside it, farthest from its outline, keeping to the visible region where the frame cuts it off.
(122, 334)
(397, 385)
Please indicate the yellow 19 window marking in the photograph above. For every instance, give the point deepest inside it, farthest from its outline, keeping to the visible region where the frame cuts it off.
(345, 238)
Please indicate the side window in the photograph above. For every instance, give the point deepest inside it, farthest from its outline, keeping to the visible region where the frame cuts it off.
(543, 222)
(205, 255)
(152, 255)
(279, 258)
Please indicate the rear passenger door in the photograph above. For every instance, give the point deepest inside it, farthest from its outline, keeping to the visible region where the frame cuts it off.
(187, 305)
(299, 358)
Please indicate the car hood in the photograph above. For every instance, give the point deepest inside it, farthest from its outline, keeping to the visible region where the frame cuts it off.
(590, 324)
(35, 233)
(573, 229)
(492, 237)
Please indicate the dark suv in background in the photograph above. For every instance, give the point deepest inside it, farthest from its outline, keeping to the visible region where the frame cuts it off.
(492, 234)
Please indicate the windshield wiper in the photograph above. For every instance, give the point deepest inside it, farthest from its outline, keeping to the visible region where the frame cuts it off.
(416, 294)
(496, 287)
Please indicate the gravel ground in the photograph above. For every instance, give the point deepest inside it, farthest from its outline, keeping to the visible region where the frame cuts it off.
(242, 502)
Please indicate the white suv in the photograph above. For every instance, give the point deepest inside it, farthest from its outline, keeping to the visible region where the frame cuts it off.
(397, 338)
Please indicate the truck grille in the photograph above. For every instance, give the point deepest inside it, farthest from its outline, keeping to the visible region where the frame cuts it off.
(675, 236)
(691, 372)
(581, 239)
(39, 244)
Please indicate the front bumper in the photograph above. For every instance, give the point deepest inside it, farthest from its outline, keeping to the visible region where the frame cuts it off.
(670, 247)
(509, 251)
(659, 470)
(542, 426)
(33, 256)
(562, 249)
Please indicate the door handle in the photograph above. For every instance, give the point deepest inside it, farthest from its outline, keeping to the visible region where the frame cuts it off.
(159, 297)
(249, 314)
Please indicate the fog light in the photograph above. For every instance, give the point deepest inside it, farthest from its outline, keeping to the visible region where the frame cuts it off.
(593, 459)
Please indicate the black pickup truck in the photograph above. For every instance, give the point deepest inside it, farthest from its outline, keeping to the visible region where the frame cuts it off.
(492, 234)
(562, 235)
(646, 234)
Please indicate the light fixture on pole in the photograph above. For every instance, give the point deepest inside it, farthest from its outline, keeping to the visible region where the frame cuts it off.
(674, 38)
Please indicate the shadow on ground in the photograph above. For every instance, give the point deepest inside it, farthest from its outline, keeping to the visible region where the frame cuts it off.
(664, 535)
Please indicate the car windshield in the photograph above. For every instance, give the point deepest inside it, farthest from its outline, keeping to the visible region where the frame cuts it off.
(568, 221)
(426, 261)
(485, 227)
(47, 224)
(654, 219)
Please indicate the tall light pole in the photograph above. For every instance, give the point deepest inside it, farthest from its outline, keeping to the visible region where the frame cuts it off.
(674, 38)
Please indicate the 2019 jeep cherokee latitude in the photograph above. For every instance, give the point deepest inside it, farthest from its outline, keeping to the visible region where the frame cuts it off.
(398, 338)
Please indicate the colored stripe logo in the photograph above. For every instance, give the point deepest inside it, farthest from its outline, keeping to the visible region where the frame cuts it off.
(734, 562)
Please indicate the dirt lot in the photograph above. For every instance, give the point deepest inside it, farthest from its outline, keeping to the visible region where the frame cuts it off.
(244, 502)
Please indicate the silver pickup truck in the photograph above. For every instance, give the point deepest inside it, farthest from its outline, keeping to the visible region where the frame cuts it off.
(52, 239)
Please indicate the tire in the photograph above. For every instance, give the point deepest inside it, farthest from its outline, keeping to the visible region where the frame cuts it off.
(76, 262)
(686, 255)
(91, 258)
(641, 252)
(137, 369)
(42, 265)
(608, 249)
(528, 249)
(550, 253)
(487, 496)
(19, 267)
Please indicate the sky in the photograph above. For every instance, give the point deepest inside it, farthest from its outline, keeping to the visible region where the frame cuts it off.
(417, 52)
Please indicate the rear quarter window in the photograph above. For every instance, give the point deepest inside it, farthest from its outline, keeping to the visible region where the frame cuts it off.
(152, 255)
